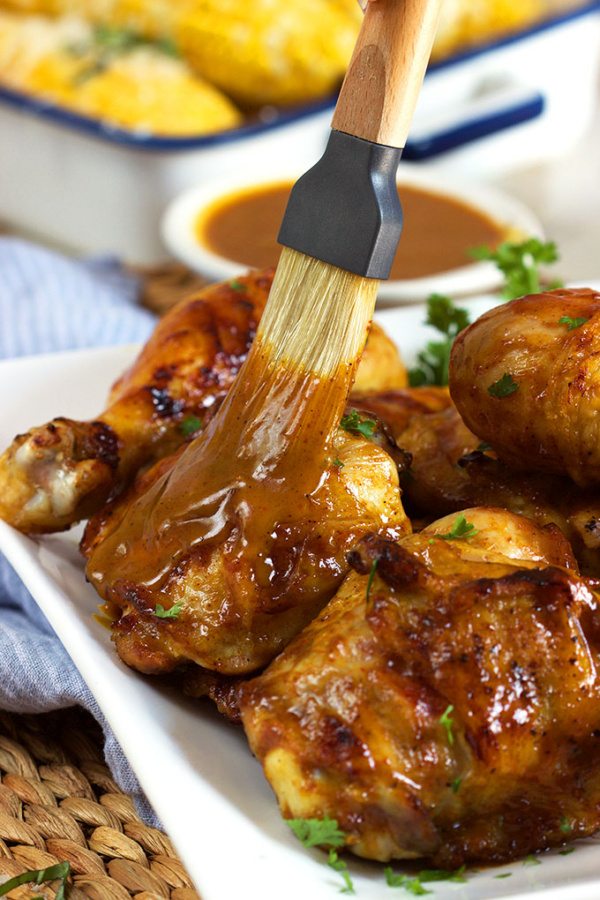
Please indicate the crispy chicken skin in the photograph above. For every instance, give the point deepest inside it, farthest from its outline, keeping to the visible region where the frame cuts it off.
(235, 619)
(530, 384)
(449, 473)
(62, 472)
(451, 711)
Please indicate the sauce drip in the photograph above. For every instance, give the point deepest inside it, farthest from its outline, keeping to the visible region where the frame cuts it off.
(439, 231)
(256, 461)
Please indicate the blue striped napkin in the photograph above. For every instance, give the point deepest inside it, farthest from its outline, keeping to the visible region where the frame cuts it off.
(50, 303)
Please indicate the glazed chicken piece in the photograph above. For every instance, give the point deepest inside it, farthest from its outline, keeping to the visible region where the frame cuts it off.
(62, 472)
(526, 378)
(446, 703)
(450, 473)
(245, 588)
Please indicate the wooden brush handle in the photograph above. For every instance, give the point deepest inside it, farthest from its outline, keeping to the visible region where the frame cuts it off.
(381, 87)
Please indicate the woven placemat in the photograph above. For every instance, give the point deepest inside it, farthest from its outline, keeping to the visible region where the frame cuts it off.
(58, 802)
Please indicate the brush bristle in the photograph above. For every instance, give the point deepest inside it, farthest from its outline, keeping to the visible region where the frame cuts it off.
(317, 315)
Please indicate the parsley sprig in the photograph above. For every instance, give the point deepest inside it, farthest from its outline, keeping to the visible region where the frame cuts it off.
(520, 264)
(414, 883)
(504, 387)
(324, 833)
(571, 323)
(172, 613)
(461, 530)
(40, 876)
(434, 360)
(446, 721)
(354, 422)
(190, 425)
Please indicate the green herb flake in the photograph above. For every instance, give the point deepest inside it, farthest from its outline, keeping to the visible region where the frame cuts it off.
(565, 825)
(397, 880)
(456, 875)
(236, 285)
(172, 613)
(414, 883)
(520, 264)
(338, 463)
(460, 531)
(317, 832)
(374, 565)
(532, 860)
(434, 360)
(447, 722)
(456, 785)
(40, 876)
(503, 875)
(483, 447)
(567, 851)
(354, 422)
(572, 324)
(341, 867)
(190, 425)
(504, 387)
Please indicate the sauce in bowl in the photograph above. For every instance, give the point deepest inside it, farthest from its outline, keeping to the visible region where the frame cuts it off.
(439, 230)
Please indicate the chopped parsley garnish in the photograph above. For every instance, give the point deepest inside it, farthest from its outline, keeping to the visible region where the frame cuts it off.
(414, 883)
(341, 867)
(434, 360)
(354, 422)
(338, 463)
(161, 613)
(520, 264)
(236, 285)
(572, 324)
(532, 860)
(566, 851)
(503, 875)
(504, 387)
(565, 825)
(190, 425)
(317, 832)
(374, 565)
(40, 876)
(324, 833)
(456, 785)
(447, 722)
(460, 531)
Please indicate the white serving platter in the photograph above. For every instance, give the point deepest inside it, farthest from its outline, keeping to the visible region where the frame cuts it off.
(195, 768)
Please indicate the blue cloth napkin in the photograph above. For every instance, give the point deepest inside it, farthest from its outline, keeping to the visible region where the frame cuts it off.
(50, 303)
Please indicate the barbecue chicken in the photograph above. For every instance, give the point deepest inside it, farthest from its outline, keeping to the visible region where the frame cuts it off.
(446, 703)
(64, 471)
(525, 377)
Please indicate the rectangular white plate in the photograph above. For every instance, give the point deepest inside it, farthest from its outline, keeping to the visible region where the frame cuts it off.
(195, 768)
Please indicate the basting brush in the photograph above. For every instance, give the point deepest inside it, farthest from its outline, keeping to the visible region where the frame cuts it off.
(343, 221)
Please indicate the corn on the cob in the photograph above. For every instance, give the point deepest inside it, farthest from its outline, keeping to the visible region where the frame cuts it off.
(143, 89)
(259, 52)
(464, 23)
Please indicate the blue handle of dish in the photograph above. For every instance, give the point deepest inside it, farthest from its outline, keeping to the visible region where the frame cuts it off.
(481, 118)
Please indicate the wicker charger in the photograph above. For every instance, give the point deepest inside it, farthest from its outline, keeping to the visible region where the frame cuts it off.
(58, 802)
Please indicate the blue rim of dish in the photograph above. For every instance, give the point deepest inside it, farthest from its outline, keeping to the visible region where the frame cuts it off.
(142, 141)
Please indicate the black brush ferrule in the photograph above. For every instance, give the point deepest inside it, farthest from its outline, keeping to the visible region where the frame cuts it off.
(345, 210)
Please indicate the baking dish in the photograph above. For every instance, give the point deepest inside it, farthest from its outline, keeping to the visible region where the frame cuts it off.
(96, 189)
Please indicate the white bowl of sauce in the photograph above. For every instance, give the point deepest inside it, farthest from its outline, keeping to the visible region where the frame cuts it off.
(223, 228)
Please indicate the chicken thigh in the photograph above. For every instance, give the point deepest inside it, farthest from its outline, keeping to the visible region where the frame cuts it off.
(526, 378)
(446, 703)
